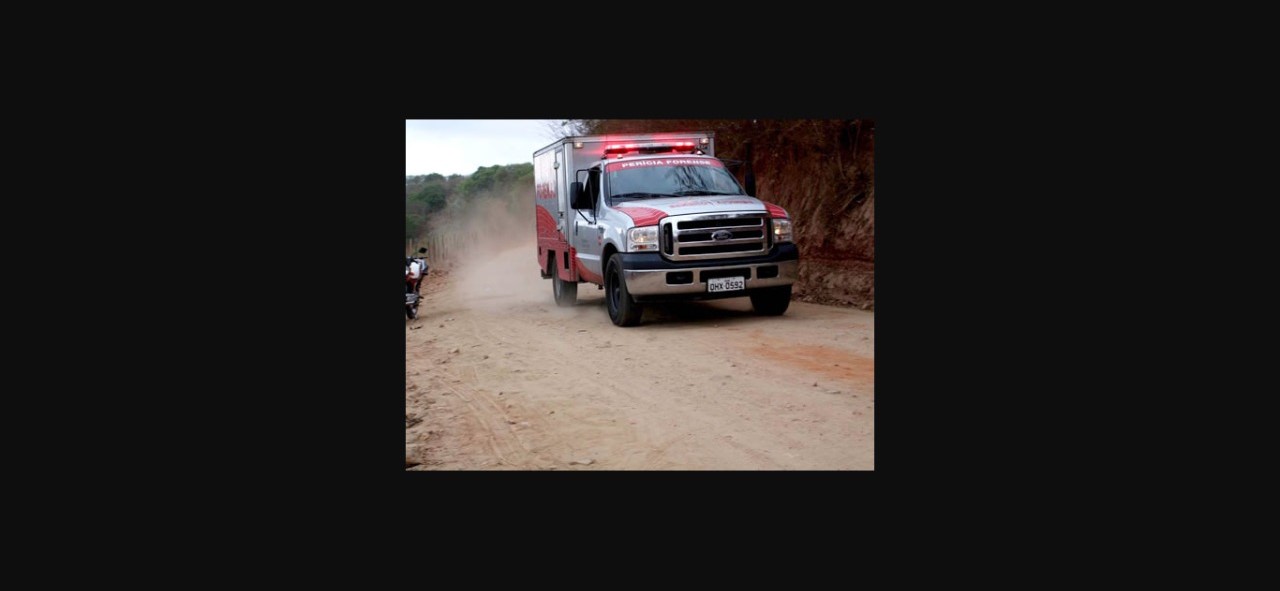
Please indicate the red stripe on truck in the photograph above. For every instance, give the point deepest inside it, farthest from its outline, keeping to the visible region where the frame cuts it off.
(775, 211)
(547, 224)
(568, 272)
(643, 216)
(587, 274)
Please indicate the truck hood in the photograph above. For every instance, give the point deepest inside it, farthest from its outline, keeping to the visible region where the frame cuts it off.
(686, 205)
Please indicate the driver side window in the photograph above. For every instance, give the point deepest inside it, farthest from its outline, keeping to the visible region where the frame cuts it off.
(593, 188)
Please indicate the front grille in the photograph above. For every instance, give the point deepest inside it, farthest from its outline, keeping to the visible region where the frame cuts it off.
(706, 236)
(712, 223)
(689, 237)
(721, 249)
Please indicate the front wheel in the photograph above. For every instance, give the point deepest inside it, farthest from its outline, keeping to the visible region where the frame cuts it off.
(771, 301)
(411, 311)
(623, 311)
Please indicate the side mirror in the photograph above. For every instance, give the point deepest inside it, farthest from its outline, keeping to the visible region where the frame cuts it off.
(578, 199)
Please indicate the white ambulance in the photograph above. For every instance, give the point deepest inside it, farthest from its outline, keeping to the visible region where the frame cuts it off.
(656, 218)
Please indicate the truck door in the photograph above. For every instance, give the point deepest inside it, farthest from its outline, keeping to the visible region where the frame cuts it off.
(587, 236)
(561, 171)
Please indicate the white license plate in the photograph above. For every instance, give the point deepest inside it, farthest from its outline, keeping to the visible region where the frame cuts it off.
(726, 284)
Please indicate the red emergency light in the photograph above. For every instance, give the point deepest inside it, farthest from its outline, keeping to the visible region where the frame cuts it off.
(649, 148)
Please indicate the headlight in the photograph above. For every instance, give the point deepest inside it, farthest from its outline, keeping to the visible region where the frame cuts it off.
(781, 230)
(645, 238)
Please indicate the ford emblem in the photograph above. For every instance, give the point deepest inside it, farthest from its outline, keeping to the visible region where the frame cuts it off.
(722, 235)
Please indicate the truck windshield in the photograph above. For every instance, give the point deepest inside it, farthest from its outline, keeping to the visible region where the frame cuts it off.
(651, 179)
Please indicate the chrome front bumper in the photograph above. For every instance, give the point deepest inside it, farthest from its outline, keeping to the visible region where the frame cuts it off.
(654, 281)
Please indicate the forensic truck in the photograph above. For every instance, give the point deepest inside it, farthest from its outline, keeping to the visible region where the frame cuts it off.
(656, 218)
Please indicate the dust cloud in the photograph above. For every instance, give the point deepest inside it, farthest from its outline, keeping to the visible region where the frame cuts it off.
(492, 252)
(499, 281)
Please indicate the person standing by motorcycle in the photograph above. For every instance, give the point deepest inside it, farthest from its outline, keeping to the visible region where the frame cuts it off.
(421, 260)
(414, 270)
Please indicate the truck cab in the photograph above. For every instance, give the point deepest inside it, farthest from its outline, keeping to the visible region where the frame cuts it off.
(657, 218)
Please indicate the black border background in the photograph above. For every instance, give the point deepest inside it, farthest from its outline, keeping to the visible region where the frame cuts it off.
(965, 334)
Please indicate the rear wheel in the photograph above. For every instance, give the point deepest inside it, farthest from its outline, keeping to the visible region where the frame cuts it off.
(566, 292)
(771, 301)
(411, 311)
(623, 311)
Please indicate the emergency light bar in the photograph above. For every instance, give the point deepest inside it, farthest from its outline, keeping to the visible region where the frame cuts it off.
(649, 147)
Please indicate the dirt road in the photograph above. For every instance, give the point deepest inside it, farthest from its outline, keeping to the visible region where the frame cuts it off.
(498, 377)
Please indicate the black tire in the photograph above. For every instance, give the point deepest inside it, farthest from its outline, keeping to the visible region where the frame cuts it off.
(565, 292)
(771, 301)
(412, 310)
(623, 310)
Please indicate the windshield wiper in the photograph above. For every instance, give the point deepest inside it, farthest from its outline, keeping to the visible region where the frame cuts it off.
(700, 192)
(625, 196)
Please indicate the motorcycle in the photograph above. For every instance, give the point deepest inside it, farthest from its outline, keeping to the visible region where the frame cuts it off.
(415, 268)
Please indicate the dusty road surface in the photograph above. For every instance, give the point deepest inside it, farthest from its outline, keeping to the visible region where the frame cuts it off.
(500, 378)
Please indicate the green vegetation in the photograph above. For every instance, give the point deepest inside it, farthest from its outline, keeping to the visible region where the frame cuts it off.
(432, 198)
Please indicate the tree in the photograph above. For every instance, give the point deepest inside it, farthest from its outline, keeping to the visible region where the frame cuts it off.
(561, 128)
(413, 224)
(432, 196)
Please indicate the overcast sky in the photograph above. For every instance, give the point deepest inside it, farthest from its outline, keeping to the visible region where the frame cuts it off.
(460, 146)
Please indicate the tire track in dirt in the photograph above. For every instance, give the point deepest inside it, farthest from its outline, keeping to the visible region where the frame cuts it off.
(503, 441)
